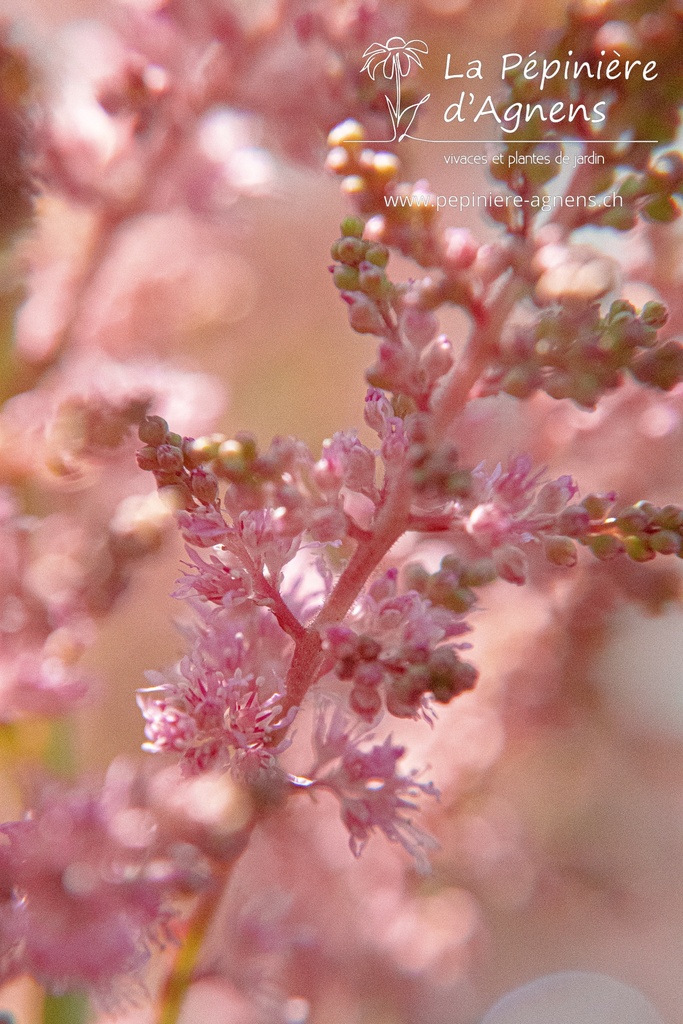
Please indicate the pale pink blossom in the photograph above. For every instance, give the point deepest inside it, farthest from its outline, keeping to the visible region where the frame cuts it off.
(371, 792)
(82, 898)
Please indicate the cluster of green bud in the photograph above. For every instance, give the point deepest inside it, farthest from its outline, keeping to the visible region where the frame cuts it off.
(399, 679)
(369, 178)
(575, 353)
(176, 464)
(360, 264)
(189, 472)
(655, 192)
(642, 531)
(365, 173)
(442, 674)
(452, 585)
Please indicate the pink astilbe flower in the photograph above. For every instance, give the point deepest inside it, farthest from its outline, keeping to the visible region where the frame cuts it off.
(371, 792)
(513, 505)
(83, 893)
(211, 580)
(350, 462)
(215, 723)
(220, 707)
(270, 549)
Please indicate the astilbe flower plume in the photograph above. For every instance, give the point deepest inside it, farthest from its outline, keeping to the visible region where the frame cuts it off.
(305, 622)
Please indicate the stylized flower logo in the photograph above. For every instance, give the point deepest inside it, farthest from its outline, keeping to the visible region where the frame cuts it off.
(395, 58)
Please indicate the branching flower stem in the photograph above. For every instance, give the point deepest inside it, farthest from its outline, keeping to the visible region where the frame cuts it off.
(391, 523)
(480, 346)
(394, 516)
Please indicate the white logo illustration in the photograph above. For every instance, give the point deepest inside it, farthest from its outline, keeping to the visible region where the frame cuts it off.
(395, 58)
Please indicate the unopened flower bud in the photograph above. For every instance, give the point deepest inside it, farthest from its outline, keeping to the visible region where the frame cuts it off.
(340, 640)
(437, 359)
(386, 166)
(416, 577)
(478, 573)
(170, 458)
(554, 495)
(419, 325)
(384, 586)
(368, 648)
(348, 131)
(460, 249)
(176, 496)
(670, 518)
(152, 431)
(665, 542)
(364, 316)
(204, 486)
(366, 702)
(560, 551)
(377, 254)
(147, 458)
(605, 546)
(353, 185)
(351, 250)
(444, 589)
(449, 677)
(573, 521)
(638, 549)
(346, 278)
(372, 280)
(205, 449)
(231, 458)
(338, 160)
(597, 506)
(511, 564)
(632, 520)
(654, 314)
(661, 367)
(352, 227)
(377, 410)
(521, 381)
(404, 695)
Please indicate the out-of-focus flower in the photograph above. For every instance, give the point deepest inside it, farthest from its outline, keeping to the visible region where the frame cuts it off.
(84, 889)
